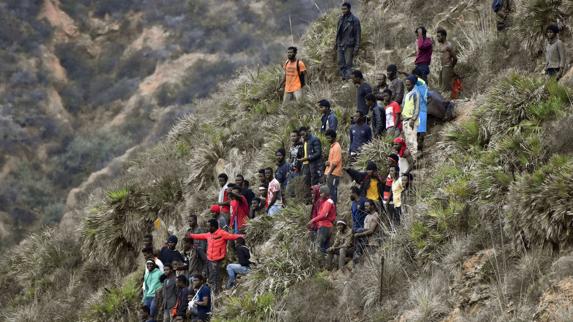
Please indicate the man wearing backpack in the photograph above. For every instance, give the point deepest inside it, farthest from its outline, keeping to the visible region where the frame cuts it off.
(294, 77)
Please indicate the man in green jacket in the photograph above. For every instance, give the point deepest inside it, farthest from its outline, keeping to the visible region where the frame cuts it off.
(151, 283)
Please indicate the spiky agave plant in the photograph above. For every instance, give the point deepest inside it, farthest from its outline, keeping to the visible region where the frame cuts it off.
(540, 204)
(534, 16)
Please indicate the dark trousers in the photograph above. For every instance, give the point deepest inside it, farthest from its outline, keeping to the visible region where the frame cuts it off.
(215, 275)
(332, 182)
(323, 238)
(345, 57)
(423, 70)
(311, 173)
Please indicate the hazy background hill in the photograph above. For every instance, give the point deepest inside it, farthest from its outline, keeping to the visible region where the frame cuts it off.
(83, 81)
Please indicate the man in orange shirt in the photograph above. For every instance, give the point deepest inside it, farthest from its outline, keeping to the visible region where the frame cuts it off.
(333, 165)
(294, 77)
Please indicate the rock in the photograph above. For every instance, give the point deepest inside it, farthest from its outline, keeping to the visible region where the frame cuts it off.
(563, 267)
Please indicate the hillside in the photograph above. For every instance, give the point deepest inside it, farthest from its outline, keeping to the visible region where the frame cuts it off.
(487, 229)
(84, 82)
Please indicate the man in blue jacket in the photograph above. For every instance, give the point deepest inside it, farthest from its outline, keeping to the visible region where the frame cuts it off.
(312, 157)
(328, 119)
(360, 134)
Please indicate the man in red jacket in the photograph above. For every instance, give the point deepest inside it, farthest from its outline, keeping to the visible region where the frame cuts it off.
(239, 210)
(324, 219)
(216, 249)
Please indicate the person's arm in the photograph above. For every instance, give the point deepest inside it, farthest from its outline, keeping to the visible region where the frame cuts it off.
(317, 151)
(204, 301)
(283, 80)
(562, 58)
(358, 35)
(356, 175)
(229, 236)
(453, 54)
(333, 123)
(351, 140)
(347, 240)
(416, 110)
(203, 236)
(367, 232)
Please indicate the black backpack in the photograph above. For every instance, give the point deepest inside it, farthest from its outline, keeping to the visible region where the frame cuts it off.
(300, 76)
(496, 5)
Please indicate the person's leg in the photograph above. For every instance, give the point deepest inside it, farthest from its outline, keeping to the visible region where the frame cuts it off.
(447, 77)
(167, 315)
(341, 61)
(306, 174)
(397, 214)
(325, 240)
(349, 57)
(411, 137)
(275, 209)
(315, 174)
(329, 257)
(214, 279)
(342, 258)
(153, 308)
(231, 272)
(320, 238)
(287, 97)
(298, 95)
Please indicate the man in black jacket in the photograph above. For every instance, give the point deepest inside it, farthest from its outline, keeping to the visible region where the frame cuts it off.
(371, 183)
(347, 40)
(182, 298)
(312, 157)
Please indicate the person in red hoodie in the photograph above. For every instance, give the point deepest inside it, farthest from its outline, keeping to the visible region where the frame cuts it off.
(239, 210)
(316, 202)
(216, 249)
(324, 219)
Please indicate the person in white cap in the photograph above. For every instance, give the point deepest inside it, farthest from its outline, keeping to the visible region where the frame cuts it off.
(342, 246)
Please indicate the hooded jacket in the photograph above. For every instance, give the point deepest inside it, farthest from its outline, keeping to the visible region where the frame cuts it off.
(216, 243)
(314, 149)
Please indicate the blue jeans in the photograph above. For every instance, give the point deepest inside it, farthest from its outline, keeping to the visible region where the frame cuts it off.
(345, 56)
(423, 70)
(274, 209)
(233, 270)
(150, 303)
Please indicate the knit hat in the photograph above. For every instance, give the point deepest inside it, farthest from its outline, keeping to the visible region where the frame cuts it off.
(412, 78)
(215, 209)
(172, 239)
(324, 189)
(371, 166)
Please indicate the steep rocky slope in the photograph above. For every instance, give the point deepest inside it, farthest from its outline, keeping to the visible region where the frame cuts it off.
(487, 229)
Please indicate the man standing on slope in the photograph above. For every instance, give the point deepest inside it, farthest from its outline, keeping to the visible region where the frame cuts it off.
(333, 165)
(555, 56)
(410, 112)
(396, 85)
(360, 134)
(312, 157)
(347, 40)
(216, 250)
(449, 59)
(361, 92)
(423, 53)
(294, 77)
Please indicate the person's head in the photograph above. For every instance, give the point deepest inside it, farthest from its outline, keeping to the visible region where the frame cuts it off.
(239, 180)
(291, 52)
(370, 100)
(551, 31)
(269, 174)
(324, 106)
(324, 192)
(223, 177)
(405, 179)
(172, 242)
(358, 117)
(304, 132)
(192, 221)
(357, 77)
(371, 168)
(213, 225)
(398, 144)
(261, 175)
(421, 31)
(345, 8)
(215, 210)
(262, 191)
(330, 135)
(393, 158)
(381, 80)
(187, 244)
(392, 172)
(386, 96)
(182, 281)
(147, 252)
(354, 193)
(150, 264)
(240, 241)
(197, 280)
(368, 206)
(280, 155)
(168, 269)
(341, 226)
(236, 192)
(294, 137)
(246, 184)
(410, 82)
(392, 71)
(441, 34)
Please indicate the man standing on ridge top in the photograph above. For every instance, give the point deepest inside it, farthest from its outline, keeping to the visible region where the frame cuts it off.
(423, 53)
(294, 77)
(347, 40)
(448, 59)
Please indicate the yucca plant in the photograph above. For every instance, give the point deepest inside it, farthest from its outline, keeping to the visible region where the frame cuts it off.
(533, 16)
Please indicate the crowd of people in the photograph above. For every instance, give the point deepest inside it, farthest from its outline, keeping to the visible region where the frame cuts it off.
(180, 284)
